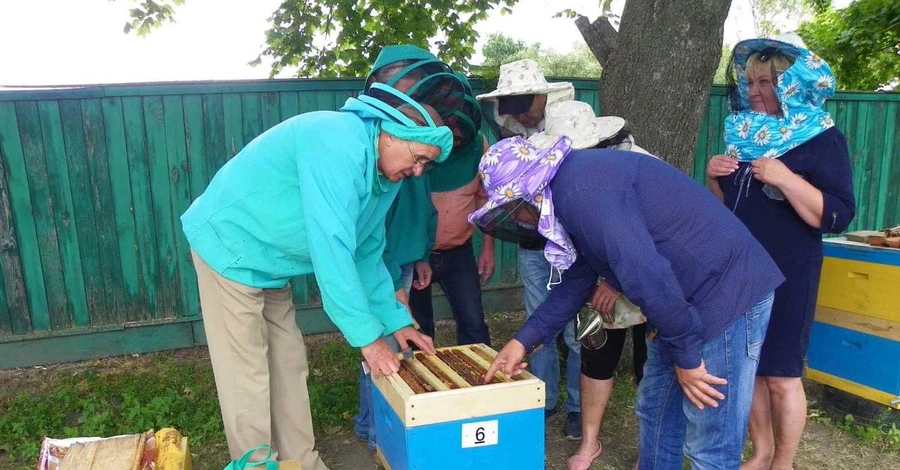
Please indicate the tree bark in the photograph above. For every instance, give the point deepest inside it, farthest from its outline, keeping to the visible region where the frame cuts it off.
(660, 73)
(600, 36)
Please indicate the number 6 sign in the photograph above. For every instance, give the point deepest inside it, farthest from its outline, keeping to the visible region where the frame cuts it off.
(484, 433)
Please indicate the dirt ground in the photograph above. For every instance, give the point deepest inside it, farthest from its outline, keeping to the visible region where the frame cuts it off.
(823, 447)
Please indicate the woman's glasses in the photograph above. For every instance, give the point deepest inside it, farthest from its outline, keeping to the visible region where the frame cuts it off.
(419, 160)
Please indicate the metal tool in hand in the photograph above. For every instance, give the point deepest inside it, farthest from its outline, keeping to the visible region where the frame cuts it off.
(589, 327)
(407, 354)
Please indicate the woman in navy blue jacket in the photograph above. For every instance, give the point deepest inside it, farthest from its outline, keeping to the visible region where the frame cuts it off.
(787, 176)
(702, 280)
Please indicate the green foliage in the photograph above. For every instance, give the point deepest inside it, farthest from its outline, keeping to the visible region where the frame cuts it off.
(722, 69)
(878, 434)
(605, 11)
(765, 13)
(341, 38)
(500, 49)
(149, 14)
(818, 6)
(861, 42)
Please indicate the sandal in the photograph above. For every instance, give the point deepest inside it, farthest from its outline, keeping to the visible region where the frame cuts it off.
(244, 462)
(580, 462)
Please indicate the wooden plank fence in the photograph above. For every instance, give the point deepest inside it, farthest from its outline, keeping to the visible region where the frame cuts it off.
(93, 181)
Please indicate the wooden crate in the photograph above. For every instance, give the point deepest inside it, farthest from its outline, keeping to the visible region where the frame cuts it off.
(438, 414)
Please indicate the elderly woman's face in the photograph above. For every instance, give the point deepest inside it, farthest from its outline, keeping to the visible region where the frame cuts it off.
(398, 159)
(761, 90)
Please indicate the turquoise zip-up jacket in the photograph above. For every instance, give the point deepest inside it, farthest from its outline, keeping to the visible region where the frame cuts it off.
(306, 197)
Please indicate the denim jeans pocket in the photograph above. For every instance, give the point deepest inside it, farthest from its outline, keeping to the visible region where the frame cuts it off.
(757, 319)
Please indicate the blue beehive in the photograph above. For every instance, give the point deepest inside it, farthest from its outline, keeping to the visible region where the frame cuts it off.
(855, 339)
(438, 415)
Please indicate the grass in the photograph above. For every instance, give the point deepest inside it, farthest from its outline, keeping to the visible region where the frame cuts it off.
(880, 434)
(90, 403)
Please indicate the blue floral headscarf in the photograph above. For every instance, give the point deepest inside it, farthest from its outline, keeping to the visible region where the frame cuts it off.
(802, 90)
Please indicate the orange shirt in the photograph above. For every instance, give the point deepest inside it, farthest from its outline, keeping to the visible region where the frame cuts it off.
(453, 208)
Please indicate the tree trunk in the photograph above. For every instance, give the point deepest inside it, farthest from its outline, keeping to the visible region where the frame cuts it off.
(660, 70)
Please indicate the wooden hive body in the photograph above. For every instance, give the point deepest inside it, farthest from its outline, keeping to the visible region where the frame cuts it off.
(855, 339)
(438, 414)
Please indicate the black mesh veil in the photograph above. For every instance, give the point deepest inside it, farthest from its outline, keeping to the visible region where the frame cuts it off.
(432, 83)
(515, 221)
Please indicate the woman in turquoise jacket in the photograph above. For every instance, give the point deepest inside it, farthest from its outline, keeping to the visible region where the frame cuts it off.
(308, 196)
(412, 220)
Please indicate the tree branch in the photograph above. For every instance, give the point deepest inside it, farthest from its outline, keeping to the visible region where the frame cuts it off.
(600, 36)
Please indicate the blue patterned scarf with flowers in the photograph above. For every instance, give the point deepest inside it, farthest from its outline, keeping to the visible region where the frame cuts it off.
(802, 90)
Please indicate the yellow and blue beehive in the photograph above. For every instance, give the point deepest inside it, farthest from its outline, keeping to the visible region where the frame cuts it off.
(437, 414)
(855, 339)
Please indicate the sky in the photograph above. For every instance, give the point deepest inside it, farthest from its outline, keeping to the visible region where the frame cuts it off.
(67, 42)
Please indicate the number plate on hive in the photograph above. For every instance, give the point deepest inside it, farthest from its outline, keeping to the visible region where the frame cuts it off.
(479, 434)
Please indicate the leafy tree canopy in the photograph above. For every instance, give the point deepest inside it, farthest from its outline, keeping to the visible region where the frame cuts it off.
(861, 42)
(500, 49)
(149, 14)
(341, 38)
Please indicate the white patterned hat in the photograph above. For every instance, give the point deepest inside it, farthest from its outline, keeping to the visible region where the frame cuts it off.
(522, 77)
(576, 120)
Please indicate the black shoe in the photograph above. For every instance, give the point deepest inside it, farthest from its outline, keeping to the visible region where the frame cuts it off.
(572, 429)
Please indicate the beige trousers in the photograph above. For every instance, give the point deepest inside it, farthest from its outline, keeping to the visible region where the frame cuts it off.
(259, 362)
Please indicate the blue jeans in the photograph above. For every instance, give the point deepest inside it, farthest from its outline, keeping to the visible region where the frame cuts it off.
(456, 271)
(362, 422)
(535, 273)
(673, 428)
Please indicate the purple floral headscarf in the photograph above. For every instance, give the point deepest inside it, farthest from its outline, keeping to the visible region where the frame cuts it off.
(515, 169)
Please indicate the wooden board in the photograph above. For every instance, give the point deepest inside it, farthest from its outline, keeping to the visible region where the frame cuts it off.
(862, 236)
(117, 453)
(102, 197)
(869, 237)
(188, 463)
(79, 457)
(854, 388)
(16, 243)
(381, 460)
(120, 210)
(853, 321)
(141, 208)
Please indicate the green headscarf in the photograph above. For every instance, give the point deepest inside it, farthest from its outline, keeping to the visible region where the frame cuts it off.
(375, 103)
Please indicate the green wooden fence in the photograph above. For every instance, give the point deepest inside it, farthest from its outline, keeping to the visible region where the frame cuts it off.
(93, 180)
